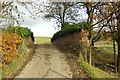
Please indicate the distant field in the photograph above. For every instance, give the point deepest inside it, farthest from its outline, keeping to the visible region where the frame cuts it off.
(42, 40)
(106, 47)
(104, 56)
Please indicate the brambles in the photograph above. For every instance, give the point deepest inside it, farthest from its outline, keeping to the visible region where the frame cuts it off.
(8, 45)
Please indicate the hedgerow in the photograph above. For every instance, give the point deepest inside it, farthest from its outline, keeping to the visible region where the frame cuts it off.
(21, 31)
(65, 32)
(69, 29)
(8, 48)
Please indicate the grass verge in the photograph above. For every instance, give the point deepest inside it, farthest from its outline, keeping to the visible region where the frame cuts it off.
(92, 71)
(13, 66)
(25, 50)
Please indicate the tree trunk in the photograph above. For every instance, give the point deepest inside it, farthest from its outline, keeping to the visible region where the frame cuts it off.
(90, 55)
(93, 43)
(81, 54)
(118, 58)
(118, 27)
(114, 55)
(115, 61)
(90, 19)
(90, 41)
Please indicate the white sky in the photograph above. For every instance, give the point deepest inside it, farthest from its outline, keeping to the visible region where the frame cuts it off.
(38, 26)
(41, 29)
(45, 29)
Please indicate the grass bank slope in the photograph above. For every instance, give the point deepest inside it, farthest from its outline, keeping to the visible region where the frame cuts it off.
(92, 71)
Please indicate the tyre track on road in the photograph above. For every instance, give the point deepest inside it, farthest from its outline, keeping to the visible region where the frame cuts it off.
(48, 62)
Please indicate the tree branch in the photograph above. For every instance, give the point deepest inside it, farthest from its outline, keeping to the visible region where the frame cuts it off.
(101, 28)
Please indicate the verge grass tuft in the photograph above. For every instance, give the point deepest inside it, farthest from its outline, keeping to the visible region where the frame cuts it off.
(92, 71)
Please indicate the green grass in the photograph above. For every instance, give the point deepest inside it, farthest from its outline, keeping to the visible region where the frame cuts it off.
(92, 71)
(42, 40)
(13, 66)
(106, 47)
(19, 60)
(104, 56)
(104, 44)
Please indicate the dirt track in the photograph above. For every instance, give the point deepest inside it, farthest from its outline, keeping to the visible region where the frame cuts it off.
(47, 62)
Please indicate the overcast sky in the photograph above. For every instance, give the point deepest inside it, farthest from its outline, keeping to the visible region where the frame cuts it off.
(39, 26)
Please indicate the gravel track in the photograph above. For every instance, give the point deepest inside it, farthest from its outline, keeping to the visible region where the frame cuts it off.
(48, 62)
